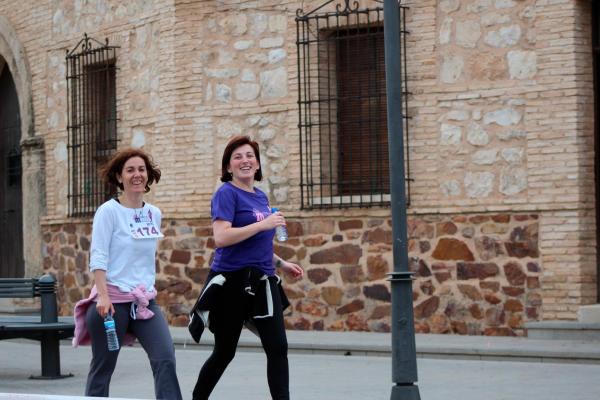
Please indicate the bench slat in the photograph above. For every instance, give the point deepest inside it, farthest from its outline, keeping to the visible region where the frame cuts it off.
(18, 288)
(14, 281)
(29, 326)
(25, 285)
(35, 335)
(34, 326)
(7, 286)
(7, 293)
(30, 318)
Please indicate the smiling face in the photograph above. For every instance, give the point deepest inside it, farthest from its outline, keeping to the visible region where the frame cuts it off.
(243, 164)
(134, 176)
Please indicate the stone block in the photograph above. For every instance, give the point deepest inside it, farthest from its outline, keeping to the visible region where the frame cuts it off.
(344, 254)
(452, 249)
(589, 314)
(318, 275)
(427, 308)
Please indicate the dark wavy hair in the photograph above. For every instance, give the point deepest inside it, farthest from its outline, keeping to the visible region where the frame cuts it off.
(234, 143)
(114, 166)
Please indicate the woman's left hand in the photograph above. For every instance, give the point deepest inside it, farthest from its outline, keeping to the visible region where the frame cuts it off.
(294, 270)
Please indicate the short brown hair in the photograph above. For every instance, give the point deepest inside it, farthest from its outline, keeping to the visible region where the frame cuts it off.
(114, 166)
(234, 143)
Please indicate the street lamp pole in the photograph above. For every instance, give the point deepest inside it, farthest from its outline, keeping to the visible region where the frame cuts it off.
(404, 356)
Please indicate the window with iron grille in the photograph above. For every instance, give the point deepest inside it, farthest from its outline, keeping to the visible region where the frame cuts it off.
(92, 122)
(343, 107)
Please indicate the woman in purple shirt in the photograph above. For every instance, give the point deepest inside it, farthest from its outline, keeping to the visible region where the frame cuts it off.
(243, 228)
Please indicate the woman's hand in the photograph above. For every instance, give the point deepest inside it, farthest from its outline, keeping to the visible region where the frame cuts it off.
(293, 270)
(104, 306)
(274, 220)
(103, 303)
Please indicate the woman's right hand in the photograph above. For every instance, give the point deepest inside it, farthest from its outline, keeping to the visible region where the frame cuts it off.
(274, 220)
(104, 306)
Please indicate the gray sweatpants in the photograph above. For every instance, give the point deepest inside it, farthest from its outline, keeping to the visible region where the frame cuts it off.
(154, 336)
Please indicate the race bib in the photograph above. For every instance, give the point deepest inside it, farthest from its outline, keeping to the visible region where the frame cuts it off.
(142, 226)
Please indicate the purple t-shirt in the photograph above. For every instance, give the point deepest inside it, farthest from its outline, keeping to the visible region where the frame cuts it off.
(242, 208)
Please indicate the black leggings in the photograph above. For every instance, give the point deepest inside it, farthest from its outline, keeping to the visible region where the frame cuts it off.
(226, 322)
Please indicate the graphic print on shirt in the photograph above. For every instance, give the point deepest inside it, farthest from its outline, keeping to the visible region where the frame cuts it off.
(143, 227)
(258, 214)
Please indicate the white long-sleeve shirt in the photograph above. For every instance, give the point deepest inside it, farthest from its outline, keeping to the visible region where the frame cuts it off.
(128, 261)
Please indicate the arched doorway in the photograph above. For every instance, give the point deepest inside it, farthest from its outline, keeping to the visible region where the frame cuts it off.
(11, 211)
(13, 60)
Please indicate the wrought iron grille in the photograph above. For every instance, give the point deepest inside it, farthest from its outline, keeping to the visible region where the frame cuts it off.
(342, 106)
(92, 122)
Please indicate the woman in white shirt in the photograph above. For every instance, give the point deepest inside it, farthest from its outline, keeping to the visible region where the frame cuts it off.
(125, 233)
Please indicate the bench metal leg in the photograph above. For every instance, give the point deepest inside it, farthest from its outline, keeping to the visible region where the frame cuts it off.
(50, 357)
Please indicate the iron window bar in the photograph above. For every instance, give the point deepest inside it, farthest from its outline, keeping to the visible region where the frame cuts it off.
(342, 106)
(91, 121)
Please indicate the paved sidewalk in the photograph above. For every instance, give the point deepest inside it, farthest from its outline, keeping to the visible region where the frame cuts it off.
(429, 345)
(449, 367)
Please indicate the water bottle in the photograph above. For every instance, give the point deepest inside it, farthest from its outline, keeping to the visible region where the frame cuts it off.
(111, 333)
(280, 231)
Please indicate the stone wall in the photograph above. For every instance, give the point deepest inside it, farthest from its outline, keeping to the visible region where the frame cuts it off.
(475, 274)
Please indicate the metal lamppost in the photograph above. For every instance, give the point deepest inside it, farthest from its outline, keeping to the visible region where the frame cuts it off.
(404, 357)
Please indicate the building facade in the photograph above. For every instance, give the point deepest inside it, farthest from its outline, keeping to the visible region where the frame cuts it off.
(500, 130)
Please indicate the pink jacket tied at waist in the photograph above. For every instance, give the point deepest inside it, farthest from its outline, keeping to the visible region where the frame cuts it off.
(138, 296)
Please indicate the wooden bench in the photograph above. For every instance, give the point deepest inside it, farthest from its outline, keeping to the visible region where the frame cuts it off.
(46, 327)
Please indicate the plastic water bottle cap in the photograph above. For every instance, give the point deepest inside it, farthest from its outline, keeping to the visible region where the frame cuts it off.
(274, 209)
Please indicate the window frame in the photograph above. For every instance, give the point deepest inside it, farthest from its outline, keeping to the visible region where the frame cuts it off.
(324, 109)
(92, 122)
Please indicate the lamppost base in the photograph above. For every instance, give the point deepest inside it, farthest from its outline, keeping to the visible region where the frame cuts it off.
(405, 392)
